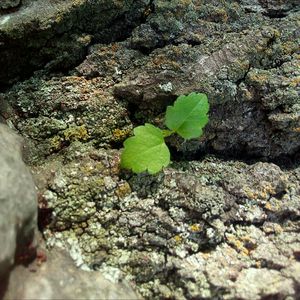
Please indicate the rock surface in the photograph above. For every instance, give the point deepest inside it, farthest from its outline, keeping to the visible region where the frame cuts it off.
(57, 112)
(18, 213)
(5, 4)
(205, 227)
(250, 73)
(55, 277)
(198, 230)
(59, 32)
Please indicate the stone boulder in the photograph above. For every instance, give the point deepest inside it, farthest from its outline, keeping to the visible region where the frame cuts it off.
(18, 212)
(54, 276)
(56, 34)
(6, 4)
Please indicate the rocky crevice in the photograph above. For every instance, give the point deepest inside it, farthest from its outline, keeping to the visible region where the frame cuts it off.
(202, 228)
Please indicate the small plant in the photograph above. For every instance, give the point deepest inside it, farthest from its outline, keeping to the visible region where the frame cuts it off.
(147, 150)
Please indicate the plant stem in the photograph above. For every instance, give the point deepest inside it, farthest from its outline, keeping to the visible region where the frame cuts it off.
(167, 132)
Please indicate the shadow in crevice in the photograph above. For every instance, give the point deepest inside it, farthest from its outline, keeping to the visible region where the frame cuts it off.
(25, 254)
(3, 285)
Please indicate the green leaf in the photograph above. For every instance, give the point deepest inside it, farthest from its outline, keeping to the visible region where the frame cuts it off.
(188, 115)
(146, 150)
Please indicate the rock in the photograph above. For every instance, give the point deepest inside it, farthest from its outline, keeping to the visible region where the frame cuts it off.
(18, 214)
(276, 8)
(247, 116)
(271, 284)
(251, 74)
(59, 32)
(58, 112)
(207, 223)
(58, 278)
(205, 227)
(5, 4)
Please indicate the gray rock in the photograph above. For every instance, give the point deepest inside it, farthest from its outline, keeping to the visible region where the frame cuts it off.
(254, 101)
(58, 278)
(18, 213)
(207, 224)
(5, 4)
(58, 112)
(270, 284)
(59, 32)
(208, 229)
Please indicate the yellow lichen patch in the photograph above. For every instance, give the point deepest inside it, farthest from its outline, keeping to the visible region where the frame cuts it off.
(195, 228)
(76, 133)
(87, 169)
(55, 143)
(178, 239)
(289, 47)
(261, 193)
(295, 82)
(206, 255)
(277, 229)
(270, 228)
(99, 167)
(258, 264)
(251, 194)
(123, 190)
(260, 78)
(120, 134)
(272, 206)
(58, 19)
(221, 14)
(237, 244)
(249, 242)
(297, 129)
(99, 182)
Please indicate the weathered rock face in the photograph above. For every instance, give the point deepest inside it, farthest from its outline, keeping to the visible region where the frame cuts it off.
(250, 73)
(18, 213)
(251, 77)
(58, 278)
(5, 4)
(204, 229)
(197, 230)
(59, 32)
(55, 113)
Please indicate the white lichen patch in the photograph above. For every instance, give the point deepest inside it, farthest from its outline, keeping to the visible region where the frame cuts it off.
(4, 20)
(166, 87)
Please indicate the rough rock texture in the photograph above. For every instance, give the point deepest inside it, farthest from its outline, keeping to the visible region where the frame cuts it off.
(59, 32)
(54, 276)
(5, 4)
(18, 213)
(54, 113)
(198, 230)
(250, 72)
(205, 227)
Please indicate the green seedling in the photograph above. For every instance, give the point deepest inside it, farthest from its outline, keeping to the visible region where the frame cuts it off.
(147, 150)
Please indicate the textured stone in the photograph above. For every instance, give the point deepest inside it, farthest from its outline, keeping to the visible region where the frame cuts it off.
(54, 276)
(205, 227)
(58, 112)
(5, 4)
(205, 223)
(270, 283)
(65, 27)
(18, 213)
(254, 102)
